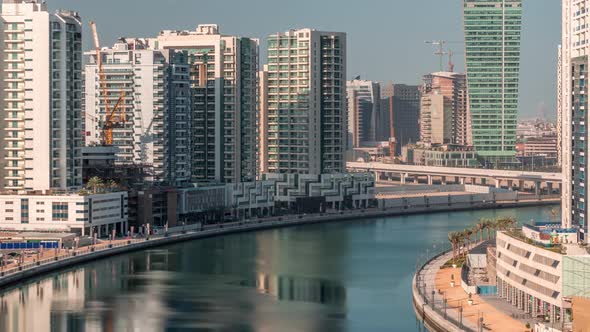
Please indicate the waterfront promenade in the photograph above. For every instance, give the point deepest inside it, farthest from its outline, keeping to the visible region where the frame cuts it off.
(442, 308)
(52, 260)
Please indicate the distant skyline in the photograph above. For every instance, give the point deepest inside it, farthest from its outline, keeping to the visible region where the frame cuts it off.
(385, 38)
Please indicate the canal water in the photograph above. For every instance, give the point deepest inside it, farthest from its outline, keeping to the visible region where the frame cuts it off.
(347, 276)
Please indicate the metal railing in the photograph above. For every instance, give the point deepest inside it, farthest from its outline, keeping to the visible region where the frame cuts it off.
(435, 300)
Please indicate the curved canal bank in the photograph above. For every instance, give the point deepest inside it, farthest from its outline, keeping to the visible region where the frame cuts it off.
(349, 276)
(429, 308)
(68, 259)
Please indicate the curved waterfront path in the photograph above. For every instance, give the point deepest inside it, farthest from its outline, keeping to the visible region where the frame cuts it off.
(352, 276)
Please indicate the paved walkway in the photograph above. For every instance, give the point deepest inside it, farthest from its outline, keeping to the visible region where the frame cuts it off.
(494, 319)
(61, 253)
(429, 277)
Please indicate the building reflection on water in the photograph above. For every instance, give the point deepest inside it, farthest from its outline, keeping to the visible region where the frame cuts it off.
(241, 283)
(87, 299)
(288, 288)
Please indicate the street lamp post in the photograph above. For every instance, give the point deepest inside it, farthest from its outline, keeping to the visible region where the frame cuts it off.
(433, 292)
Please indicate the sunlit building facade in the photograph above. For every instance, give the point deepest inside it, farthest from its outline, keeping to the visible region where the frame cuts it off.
(306, 102)
(41, 131)
(575, 48)
(224, 92)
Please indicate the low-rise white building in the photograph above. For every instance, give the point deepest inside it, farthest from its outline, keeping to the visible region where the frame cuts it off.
(530, 277)
(76, 213)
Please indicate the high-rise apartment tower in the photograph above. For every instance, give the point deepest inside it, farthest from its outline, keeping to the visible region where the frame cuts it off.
(224, 86)
(306, 102)
(41, 131)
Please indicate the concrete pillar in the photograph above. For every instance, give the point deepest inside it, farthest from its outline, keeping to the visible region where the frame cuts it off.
(520, 185)
(402, 178)
(443, 180)
(416, 179)
(429, 180)
(514, 296)
(462, 180)
(510, 183)
(377, 175)
(537, 188)
(498, 183)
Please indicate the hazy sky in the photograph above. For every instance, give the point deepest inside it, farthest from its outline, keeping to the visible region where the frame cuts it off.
(385, 37)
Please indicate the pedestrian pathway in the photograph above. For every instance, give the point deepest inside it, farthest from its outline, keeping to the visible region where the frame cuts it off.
(493, 319)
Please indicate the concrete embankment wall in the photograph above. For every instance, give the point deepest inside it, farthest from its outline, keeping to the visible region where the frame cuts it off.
(254, 226)
(448, 199)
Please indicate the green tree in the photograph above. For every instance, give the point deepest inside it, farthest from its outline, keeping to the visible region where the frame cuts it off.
(94, 183)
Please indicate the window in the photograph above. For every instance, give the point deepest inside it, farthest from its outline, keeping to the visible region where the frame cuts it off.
(59, 211)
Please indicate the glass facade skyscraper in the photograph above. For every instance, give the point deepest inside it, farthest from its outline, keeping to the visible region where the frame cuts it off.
(492, 44)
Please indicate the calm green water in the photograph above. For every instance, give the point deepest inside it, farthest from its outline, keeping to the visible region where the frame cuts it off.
(352, 276)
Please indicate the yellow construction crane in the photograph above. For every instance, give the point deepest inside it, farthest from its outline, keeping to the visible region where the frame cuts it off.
(110, 119)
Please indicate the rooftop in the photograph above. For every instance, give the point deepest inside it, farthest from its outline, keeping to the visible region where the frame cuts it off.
(519, 235)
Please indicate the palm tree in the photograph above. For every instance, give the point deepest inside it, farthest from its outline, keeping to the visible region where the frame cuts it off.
(111, 184)
(475, 229)
(481, 226)
(467, 238)
(489, 226)
(509, 222)
(554, 213)
(94, 183)
(453, 237)
(505, 223)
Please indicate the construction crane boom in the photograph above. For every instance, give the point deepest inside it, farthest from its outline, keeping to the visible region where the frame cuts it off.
(440, 51)
(110, 120)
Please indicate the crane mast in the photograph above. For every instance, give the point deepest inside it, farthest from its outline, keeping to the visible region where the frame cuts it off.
(391, 126)
(109, 121)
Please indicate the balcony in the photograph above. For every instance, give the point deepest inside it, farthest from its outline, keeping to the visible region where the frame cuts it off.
(19, 69)
(17, 158)
(13, 119)
(17, 40)
(15, 177)
(11, 187)
(14, 50)
(18, 89)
